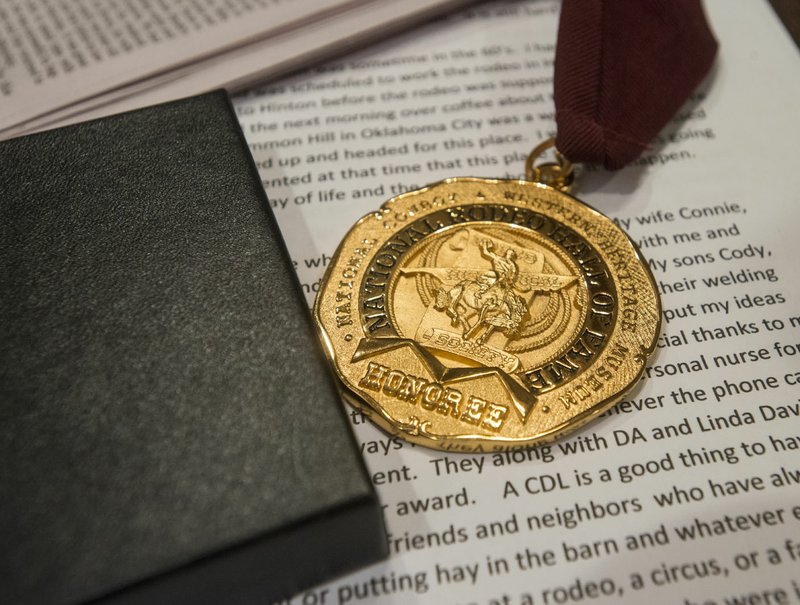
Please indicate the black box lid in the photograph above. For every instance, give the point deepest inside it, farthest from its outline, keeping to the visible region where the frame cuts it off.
(169, 431)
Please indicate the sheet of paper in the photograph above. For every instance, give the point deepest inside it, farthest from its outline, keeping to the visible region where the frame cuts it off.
(102, 45)
(687, 492)
(62, 62)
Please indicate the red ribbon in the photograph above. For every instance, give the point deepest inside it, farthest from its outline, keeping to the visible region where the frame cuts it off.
(623, 70)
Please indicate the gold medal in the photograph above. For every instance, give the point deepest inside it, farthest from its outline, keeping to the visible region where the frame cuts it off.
(480, 315)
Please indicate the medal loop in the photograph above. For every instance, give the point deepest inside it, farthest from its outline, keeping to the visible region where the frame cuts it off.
(558, 175)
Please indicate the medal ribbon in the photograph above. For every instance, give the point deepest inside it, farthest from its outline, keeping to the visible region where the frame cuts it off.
(623, 69)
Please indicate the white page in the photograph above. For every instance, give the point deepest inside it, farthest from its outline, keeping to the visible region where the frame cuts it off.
(63, 62)
(584, 519)
(274, 51)
(57, 52)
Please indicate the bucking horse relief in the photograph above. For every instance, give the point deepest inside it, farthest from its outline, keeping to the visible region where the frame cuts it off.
(484, 286)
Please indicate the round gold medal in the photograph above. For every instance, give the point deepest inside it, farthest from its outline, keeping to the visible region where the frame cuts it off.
(481, 315)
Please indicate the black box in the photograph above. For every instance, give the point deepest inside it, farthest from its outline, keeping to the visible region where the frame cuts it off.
(169, 430)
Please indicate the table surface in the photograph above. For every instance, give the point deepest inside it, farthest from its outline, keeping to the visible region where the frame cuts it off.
(789, 12)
